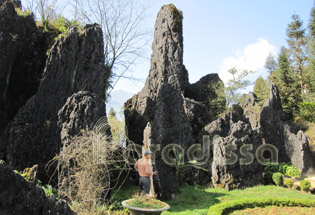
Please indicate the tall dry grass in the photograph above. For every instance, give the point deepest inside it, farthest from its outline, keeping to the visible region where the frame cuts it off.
(92, 165)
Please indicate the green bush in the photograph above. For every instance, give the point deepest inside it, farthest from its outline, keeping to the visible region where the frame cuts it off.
(288, 183)
(277, 178)
(292, 171)
(276, 167)
(283, 168)
(307, 111)
(305, 185)
(230, 206)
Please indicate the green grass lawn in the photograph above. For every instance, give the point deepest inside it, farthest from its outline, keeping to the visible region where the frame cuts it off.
(196, 200)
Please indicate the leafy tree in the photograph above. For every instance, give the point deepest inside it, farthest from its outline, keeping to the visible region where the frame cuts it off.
(284, 78)
(310, 68)
(271, 63)
(237, 83)
(261, 90)
(216, 99)
(311, 24)
(297, 41)
(111, 112)
(117, 127)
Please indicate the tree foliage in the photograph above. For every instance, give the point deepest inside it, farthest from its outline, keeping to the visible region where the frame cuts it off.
(310, 68)
(111, 113)
(261, 90)
(297, 41)
(238, 82)
(216, 99)
(284, 78)
(271, 63)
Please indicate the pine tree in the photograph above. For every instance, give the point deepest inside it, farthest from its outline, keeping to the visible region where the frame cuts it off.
(111, 112)
(271, 63)
(311, 24)
(296, 40)
(284, 78)
(310, 69)
(261, 90)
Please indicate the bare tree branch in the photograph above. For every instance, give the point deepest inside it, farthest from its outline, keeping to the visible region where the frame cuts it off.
(124, 37)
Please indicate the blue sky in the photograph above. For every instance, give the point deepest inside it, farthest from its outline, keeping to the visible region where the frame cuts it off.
(221, 34)
(218, 35)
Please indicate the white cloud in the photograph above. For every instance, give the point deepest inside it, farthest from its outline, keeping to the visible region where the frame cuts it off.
(252, 57)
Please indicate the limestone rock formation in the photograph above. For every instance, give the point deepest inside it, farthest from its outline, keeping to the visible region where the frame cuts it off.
(81, 111)
(251, 109)
(19, 196)
(204, 100)
(161, 100)
(256, 126)
(75, 63)
(23, 54)
(175, 118)
(291, 143)
(234, 145)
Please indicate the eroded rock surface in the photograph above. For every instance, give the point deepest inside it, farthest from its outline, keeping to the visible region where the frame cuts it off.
(23, 54)
(81, 111)
(75, 63)
(19, 196)
(168, 101)
(234, 145)
(292, 144)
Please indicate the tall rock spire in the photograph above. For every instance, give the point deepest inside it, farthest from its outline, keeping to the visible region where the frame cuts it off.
(162, 102)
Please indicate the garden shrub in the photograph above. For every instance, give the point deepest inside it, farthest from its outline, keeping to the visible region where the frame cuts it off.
(307, 111)
(276, 167)
(292, 171)
(283, 168)
(288, 183)
(230, 206)
(305, 185)
(277, 178)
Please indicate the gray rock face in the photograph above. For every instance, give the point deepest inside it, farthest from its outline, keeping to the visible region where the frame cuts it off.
(81, 111)
(161, 100)
(174, 117)
(291, 143)
(75, 63)
(23, 54)
(234, 164)
(19, 196)
(252, 109)
(204, 100)
(297, 148)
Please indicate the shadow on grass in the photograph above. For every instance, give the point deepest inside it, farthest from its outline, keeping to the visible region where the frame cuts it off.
(195, 199)
(191, 198)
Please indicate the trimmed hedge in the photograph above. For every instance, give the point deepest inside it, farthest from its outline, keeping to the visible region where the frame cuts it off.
(230, 206)
(288, 183)
(277, 178)
(305, 185)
